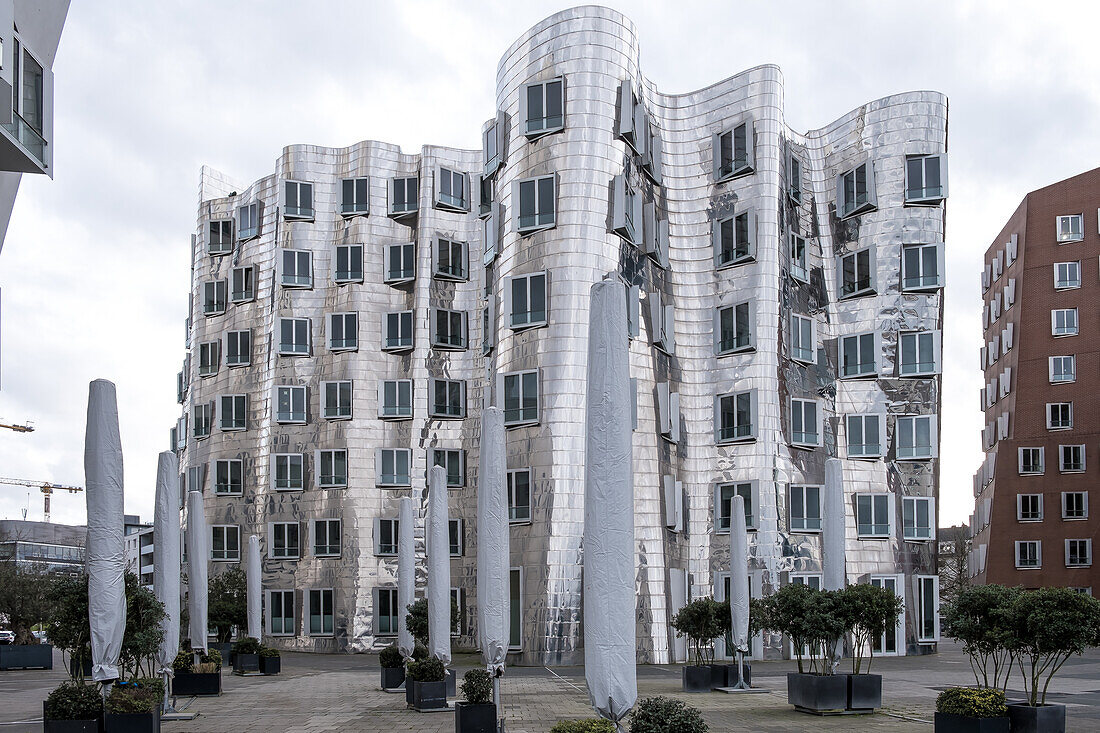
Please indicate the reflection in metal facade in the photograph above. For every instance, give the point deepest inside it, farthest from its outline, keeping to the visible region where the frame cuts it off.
(624, 162)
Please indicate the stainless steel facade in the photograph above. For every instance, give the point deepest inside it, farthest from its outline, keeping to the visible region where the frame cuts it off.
(664, 148)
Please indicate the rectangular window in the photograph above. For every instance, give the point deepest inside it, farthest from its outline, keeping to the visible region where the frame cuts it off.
(920, 353)
(398, 331)
(225, 543)
(234, 411)
(519, 495)
(243, 282)
(925, 179)
(928, 608)
(1070, 228)
(294, 337)
(343, 331)
(794, 179)
(916, 437)
(209, 357)
(537, 204)
(385, 611)
(1063, 322)
(337, 400)
(859, 355)
(799, 268)
(452, 190)
(521, 398)
(1031, 461)
(355, 196)
(1067, 275)
(1078, 553)
(1059, 415)
(456, 537)
(488, 327)
(280, 615)
(733, 152)
(290, 472)
(626, 210)
(320, 613)
(542, 107)
(525, 300)
(404, 196)
(486, 195)
(448, 329)
(332, 470)
(450, 260)
(735, 239)
(220, 238)
(806, 421)
(229, 476)
(918, 518)
(864, 433)
(203, 417)
(386, 536)
(238, 348)
(922, 267)
(1062, 369)
(448, 398)
(489, 238)
(453, 462)
(290, 402)
(285, 544)
(395, 398)
(805, 508)
(1071, 458)
(515, 609)
(298, 200)
(736, 329)
(856, 190)
(736, 417)
(297, 270)
(1029, 507)
(803, 338)
(349, 263)
(213, 297)
(723, 497)
(857, 273)
(492, 145)
(1029, 554)
(873, 515)
(248, 221)
(1075, 505)
(393, 466)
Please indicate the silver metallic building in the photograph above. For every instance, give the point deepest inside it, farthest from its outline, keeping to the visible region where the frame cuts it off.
(354, 311)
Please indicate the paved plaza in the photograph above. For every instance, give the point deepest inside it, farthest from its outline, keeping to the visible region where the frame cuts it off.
(320, 693)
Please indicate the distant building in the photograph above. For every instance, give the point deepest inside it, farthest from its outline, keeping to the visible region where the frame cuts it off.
(139, 549)
(43, 546)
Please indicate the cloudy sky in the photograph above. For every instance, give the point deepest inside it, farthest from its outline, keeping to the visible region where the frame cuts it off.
(95, 268)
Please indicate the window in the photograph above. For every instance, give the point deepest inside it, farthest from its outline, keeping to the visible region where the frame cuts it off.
(723, 497)
(297, 268)
(925, 179)
(1029, 507)
(355, 196)
(794, 179)
(521, 398)
(452, 190)
(1031, 461)
(1062, 369)
(805, 508)
(448, 329)
(733, 152)
(1070, 228)
(873, 515)
(298, 200)
(856, 190)
(655, 235)
(213, 297)
(489, 239)
(196, 479)
(918, 518)
(229, 476)
(400, 263)
(486, 195)
(1029, 554)
(385, 611)
(404, 196)
(203, 417)
(525, 300)
(458, 600)
(225, 543)
(220, 238)
(857, 273)
(803, 338)
(290, 404)
(799, 269)
(1063, 322)
(858, 355)
(280, 615)
(736, 417)
(537, 204)
(248, 221)
(450, 260)
(493, 145)
(922, 267)
(519, 496)
(243, 280)
(1067, 275)
(542, 107)
(453, 462)
(349, 263)
(238, 348)
(916, 437)
(736, 328)
(398, 331)
(920, 353)
(456, 537)
(332, 471)
(1071, 458)
(806, 419)
(668, 410)
(928, 608)
(386, 536)
(488, 327)
(337, 400)
(289, 473)
(1059, 415)
(209, 357)
(1078, 553)
(395, 398)
(234, 412)
(1075, 505)
(864, 435)
(662, 321)
(393, 466)
(294, 337)
(515, 609)
(285, 541)
(343, 332)
(448, 398)
(735, 239)
(626, 210)
(320, 612)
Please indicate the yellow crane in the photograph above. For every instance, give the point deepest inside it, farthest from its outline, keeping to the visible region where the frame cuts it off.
(28, 428)
(45, 487)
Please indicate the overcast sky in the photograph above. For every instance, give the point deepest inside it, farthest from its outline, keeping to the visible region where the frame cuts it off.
(95, 268)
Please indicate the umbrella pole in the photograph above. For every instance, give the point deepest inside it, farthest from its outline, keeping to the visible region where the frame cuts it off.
(741, 671)
(497, 701)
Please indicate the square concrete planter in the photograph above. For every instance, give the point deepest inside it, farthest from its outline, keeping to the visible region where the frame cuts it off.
(132, 722)
(1037, 719)
(197, 684)
(246, 663)
(864, 691)
(428, 695)
(695, 678)
(26, 656)
(69, 726)
(271, 665)
(392, 677)
(475, 718)
(815, 693)
(951, 723)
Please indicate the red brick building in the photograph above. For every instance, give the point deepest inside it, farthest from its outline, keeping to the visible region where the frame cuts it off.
(1032, 524)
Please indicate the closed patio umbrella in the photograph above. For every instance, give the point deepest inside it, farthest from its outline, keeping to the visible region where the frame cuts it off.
(406, 575)
(492, 548)
(439, 568)
(198, 553)
(739, 585)
(254, 587)
(166, 562)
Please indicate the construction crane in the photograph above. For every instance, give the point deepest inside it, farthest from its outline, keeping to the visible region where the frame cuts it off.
(28, 428)
(46, 488)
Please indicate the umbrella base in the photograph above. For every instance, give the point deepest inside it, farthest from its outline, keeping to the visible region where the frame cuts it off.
(740, 690)
(178, 716)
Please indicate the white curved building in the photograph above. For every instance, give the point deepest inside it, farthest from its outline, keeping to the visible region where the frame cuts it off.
(786, 301)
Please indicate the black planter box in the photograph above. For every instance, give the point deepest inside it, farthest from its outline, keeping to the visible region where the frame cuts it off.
(452, 688)
(271, 665)
(190, 684)
(408, 692)
(717, 676)
(725, 675)
(69, 726)
(864, 691)
(1037, 719)
(696, 678)
(428, 695)
(26, 656)
(392, 677)
(85, 667)
(226, 650)
(951, 723)
(817, 693)
(246, 663)
(475, 718)
(132, 722)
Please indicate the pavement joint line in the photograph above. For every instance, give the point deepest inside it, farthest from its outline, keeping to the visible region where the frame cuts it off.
(575, 687)
(906, 717)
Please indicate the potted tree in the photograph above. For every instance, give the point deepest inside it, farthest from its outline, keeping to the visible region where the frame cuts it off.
(477, 713)
(665, 715)
(73, 707)
(419, 653)
(227, 604)
(133, 707)
(270, 660)
(24, 600)
(980, 616)
(67, 623)
(393, 667)
(699, 622)
(246, 655)
(809, 619)
(429, 686)
(971, 710)
(868, 611)
(416, 620)
(190, 679)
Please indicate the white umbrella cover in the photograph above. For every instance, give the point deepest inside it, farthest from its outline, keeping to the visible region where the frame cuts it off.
(166, 557)
(739, 575)
(832, 527)
(439, 568)
(610, 652)
(105, 547)
(198, 552)
(406, 575)
(492, 542)
(254, 586)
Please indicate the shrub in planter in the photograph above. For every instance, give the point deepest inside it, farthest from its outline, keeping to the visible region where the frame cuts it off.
(393, 667)
(477, 713)
(420, 651)
(587, 725)
(246, 655)
(701, 622)
(426, 680)
(979, 616)
(971, 710)
(203, 679)
(665, 715)
(132, 708)
(72, 707)
(271, 661)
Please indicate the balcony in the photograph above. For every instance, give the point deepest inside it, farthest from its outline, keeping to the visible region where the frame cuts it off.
(22, 148)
